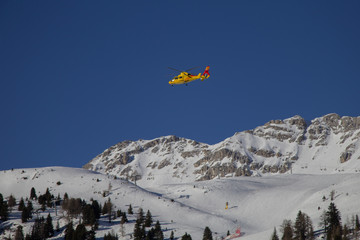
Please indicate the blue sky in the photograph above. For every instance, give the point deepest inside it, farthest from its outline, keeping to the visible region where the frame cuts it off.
(80, 76)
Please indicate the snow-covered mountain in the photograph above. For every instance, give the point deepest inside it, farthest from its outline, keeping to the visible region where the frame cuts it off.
(327, 144)
(301, 165)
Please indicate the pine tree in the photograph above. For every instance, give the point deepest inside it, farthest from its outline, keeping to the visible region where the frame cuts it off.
(97, 209)
(30, 206)
(110, 207)
(88, 215)
(143, 231)
(66, 196)
(110, 236)
(303, 228)
(346, 233)
(118, 213)
(158, 234)
(49, 228)
(274, 235)
(186, 236)
(69, 231)
(151, 234)
(124, 218)
(11, 201)
(4, 209)
(138, 234)
(130, 211)
(72, 206)
(172, 235)
(104, 209)
(309, 228)
(148, 219)
(49, 197)
(337, 233)
(21, 204)
(334, 230)
(33, 194)
(25, 215)
(300, 227)
(287, 230)
(107, 209)
(19, 235)
(43, 207)
(207, 234)
(41, 200)
(38, 230)
(140, 216)
(80, 232)
(357, 227)
(324, 221)
(5, 212)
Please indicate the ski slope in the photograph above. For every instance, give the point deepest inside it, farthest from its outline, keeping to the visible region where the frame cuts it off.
(257, 204)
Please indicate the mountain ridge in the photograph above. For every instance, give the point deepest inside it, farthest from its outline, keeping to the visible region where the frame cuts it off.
(290, 145)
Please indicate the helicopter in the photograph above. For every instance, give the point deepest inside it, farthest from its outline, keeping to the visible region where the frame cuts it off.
(185, 77)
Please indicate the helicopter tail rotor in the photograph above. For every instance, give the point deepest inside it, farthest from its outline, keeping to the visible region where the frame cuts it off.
(206, 74)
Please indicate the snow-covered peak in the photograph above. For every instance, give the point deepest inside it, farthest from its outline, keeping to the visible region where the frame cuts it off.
(329, 142)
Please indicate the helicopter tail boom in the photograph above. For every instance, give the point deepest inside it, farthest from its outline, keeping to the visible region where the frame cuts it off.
(206, 73)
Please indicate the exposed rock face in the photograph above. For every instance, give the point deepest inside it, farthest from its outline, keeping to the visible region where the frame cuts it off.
(346, 155)
(263, 152)
(291, 129)
(276, 147)
(212, 166)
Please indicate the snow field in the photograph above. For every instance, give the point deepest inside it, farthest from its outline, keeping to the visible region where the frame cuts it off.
(257, 204)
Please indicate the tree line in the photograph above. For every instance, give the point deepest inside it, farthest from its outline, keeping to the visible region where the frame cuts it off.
(90, 213)
(330, 224)
(74, 207)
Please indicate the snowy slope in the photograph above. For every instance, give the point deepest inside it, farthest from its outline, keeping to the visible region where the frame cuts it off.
(266, 175)
(257, 204)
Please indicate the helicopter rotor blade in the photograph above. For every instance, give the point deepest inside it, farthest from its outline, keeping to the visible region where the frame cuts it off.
(191, 69)
(175, 69)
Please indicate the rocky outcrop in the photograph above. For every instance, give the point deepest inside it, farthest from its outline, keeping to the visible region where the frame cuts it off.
(164, 163)
(292, 129)
(263, 152)
(346, 155)
(269, 149)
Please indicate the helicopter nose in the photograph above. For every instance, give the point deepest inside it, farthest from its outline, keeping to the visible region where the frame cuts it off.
(171, 82)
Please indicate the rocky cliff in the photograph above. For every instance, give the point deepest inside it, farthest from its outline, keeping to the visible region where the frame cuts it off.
(327, 144)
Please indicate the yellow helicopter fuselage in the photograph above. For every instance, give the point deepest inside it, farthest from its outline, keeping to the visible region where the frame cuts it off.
(185, 77)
